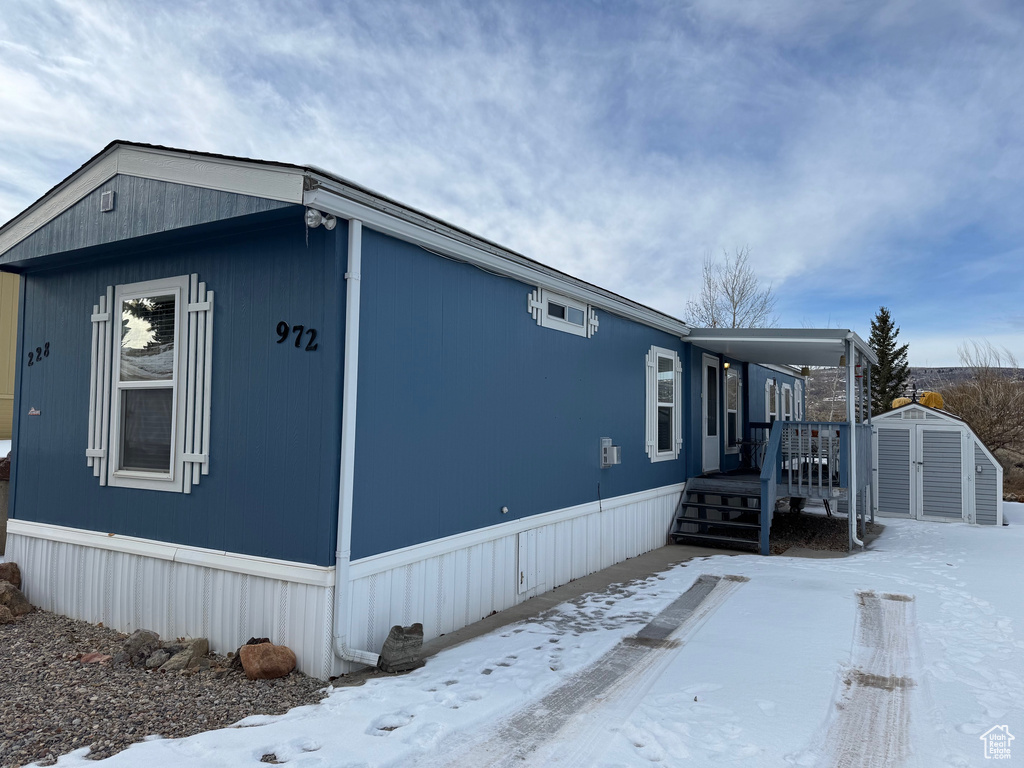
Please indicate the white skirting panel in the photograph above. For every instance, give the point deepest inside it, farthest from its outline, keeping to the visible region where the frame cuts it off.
(451, 583)
(131, 584)
(446, 584)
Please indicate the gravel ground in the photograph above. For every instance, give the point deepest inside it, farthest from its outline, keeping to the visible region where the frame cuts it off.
(51, 703)
(814, 531)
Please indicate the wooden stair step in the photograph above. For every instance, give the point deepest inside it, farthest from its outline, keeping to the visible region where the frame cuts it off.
(717, 507)
(711, 537)
(726, 523)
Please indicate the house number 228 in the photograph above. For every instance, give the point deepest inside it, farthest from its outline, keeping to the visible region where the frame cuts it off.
(39, 354)
(283, 331)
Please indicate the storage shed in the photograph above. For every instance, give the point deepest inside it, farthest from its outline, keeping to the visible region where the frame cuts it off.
(931, 466)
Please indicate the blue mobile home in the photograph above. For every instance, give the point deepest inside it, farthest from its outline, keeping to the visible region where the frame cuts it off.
(254, 398)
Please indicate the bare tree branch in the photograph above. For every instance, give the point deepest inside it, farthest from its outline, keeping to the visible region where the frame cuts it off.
(731, 296)
(991, 401)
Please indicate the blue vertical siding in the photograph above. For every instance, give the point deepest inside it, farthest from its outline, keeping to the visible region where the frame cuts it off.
(466, 405)
(275, 416)
(753, 377)
(141, 207)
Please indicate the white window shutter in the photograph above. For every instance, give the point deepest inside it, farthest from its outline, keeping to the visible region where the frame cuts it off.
(677, 410)
(99, 386)
(196, 456)
(651, 406)
(535, 306)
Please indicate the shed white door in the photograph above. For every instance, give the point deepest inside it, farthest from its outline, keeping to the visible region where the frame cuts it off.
(939, 477)
(711, 442)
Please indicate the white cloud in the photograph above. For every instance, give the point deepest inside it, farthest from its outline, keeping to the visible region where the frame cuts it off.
(621, 148)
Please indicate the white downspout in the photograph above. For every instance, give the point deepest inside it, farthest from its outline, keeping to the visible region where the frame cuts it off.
(851, 492)
(349, 387)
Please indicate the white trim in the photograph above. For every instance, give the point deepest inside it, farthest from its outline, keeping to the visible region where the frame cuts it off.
(398, 558)
(798, 400)
(710, 460)
(342, 619)
(787, 414)
(173, 480)
(237, 176)
(539, 303)
(241, 177)
(771, 404)
(396, 222)
(285, 570)
(652, 404)
(732, 372)
(449, 587)
(286, 184)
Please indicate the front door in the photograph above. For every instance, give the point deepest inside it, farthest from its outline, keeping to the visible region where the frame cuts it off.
(711, 427)
(940, 472)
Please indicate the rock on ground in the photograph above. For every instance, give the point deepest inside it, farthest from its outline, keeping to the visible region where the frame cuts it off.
(52, 703)
(13, 598)
(10, 572)
(266, 661)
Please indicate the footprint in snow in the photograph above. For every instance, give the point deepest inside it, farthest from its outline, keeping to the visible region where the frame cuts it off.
(385, 724)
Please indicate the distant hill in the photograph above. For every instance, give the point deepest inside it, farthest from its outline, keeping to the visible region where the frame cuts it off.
(827, 396)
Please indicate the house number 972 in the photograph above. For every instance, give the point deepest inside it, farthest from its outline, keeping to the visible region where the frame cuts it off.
(284, 331)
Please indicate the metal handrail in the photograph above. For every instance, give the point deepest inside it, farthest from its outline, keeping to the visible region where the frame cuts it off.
(770, 469)
(811, 459)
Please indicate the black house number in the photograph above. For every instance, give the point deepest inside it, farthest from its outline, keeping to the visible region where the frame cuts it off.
(39, 354)
(284, 330)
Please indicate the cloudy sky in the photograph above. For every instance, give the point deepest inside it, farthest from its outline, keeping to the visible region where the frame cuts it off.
(868, 153)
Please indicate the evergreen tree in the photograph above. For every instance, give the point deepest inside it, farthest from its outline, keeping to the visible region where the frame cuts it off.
(889, 378)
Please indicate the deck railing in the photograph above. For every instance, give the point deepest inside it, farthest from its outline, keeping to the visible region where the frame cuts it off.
(811, 459)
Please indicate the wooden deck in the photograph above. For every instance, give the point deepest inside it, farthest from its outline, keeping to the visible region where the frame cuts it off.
(729, 484)
(749, 484)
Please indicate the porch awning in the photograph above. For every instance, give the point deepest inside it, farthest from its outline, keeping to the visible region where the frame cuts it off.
(781, 346)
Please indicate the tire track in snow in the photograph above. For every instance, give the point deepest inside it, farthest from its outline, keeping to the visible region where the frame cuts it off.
(591, 705)
(870, 726)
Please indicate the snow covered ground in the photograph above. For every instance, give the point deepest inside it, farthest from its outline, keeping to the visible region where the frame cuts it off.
(904, 655)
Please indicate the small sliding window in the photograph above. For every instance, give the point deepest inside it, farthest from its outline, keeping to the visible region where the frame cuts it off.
(560, 313)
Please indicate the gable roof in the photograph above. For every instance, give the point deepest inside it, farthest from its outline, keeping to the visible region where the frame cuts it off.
(937, 413)
(313, 187)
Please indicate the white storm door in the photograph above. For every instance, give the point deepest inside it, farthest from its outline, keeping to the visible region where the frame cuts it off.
(939, 475)
(711, 418)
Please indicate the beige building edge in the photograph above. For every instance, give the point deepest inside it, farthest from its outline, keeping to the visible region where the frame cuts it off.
(8, 349)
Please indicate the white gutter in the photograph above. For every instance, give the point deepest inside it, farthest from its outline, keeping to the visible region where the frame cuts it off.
(346, 482)
(434, 236)
(851, 351)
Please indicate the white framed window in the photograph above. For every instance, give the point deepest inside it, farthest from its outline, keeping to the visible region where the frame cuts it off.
(733, 410)
(787, 402)
(799, 404)
(560, 313)
(771, 401)
(664, 404)
(149, 404)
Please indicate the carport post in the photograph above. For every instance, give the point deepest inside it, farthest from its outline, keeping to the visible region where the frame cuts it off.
(874, 450)
(851, 458)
